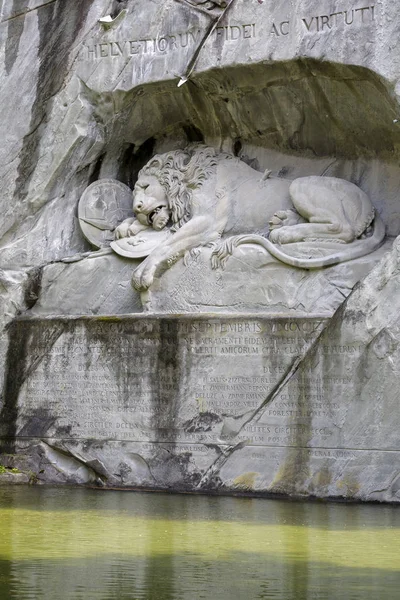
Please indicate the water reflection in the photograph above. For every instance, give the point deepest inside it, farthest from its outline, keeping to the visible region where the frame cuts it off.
(83, 544)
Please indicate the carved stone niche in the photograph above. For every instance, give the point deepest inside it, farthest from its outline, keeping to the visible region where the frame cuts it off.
(283, 214)
(247, 239)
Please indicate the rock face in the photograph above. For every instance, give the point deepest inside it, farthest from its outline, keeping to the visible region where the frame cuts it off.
(255, 281)
(89, 91)
(301, 406)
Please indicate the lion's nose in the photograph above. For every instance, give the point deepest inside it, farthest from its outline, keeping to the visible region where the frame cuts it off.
(138, 204)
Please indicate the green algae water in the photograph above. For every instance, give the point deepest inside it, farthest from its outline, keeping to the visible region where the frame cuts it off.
(86, 544)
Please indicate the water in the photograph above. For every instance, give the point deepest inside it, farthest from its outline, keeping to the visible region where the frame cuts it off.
(58, 544)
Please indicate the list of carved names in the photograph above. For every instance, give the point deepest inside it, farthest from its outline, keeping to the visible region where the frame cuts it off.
(155, 381)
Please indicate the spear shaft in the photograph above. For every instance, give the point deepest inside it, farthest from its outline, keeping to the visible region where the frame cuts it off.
(207, 35)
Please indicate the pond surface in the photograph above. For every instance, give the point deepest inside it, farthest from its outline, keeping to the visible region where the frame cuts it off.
(58, 544)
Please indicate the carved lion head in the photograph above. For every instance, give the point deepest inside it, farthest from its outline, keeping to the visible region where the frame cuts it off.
(180, 173)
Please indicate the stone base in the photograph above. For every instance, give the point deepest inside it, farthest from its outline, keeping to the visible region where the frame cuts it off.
(254, 281)
(248, 404)
(96, 285)
(7, 479)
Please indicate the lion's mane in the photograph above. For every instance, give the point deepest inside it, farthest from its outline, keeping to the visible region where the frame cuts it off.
(180, 173)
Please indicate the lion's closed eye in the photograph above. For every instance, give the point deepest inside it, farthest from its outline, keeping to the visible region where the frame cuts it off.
(141, 186)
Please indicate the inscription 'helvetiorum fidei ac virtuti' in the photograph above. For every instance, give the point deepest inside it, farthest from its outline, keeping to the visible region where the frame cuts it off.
(234, 32)
(165, 43)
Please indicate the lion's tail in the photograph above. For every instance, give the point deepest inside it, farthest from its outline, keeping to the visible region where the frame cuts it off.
(356, 250)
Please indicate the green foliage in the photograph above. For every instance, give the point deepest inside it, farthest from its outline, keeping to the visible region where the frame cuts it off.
(7, 470)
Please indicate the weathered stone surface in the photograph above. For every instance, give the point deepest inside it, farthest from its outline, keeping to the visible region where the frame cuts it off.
(13, 478)
(255, 281)
(80, 288)
(252, 404)
(297, 89)
(93, 95)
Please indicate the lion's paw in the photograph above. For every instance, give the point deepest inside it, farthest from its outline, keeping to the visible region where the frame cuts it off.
(142, 278)
(285, 218)
(146, 280)
(283, 235)
(141, 284)
(136, 282)
(121, 231)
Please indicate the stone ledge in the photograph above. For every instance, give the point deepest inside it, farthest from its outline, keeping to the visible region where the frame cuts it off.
(14, 478)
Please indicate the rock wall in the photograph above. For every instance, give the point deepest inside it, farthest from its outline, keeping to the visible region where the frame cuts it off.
(243, 404)
(300, 88)
(98, 101)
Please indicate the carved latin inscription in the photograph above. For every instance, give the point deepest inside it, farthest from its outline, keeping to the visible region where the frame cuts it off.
(149, 380)
(127, 380)
(323, 23)
(165, 43)
(357, 16)
(146, 46)
(234, 32)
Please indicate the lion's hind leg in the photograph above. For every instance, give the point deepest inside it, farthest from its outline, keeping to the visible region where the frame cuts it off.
(318, 201)
(285, 218)
(307, 232)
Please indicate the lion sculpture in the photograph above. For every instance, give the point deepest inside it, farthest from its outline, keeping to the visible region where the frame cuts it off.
(217, 199)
